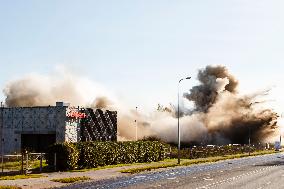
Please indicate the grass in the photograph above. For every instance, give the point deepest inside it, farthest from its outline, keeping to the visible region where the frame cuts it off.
(12, 165)
(186, 162)
(10, 187)
(15, 177)
(71, 179)
(16, 165)
(107, 167)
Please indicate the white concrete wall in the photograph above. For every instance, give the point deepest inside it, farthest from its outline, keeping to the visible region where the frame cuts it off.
(32, 120)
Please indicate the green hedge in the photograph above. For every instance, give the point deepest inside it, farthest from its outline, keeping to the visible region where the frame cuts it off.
(212, 151)
(67, 156)
(94, 154)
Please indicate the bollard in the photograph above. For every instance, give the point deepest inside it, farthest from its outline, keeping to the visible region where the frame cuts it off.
(40, 166)
(54, 161)
(27, 162)
(22, 167)
(2, 162)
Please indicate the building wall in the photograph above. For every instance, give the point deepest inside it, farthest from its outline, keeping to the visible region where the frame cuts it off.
(30, 120)
(66, 123)
(98, 125)
(71, 131)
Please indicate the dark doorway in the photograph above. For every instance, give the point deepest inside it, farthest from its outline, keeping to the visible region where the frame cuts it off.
(37, 142)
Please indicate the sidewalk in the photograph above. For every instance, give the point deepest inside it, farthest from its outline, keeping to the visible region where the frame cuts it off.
(44, 182)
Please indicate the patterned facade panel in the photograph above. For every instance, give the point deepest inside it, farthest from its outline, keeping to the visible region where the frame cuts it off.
(98, 126)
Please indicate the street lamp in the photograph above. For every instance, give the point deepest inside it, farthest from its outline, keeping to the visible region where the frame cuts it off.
(136, 137)
(249, 140)
(281, 131)
(178, 120)
(2, 139)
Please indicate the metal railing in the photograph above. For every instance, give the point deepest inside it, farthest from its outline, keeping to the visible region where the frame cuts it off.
(24, 163)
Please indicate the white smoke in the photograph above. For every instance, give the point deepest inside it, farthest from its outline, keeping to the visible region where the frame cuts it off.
(220, 115)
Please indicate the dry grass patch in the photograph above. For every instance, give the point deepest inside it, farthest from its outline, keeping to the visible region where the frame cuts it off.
(71, 179)
(10, 187)
(15, 177)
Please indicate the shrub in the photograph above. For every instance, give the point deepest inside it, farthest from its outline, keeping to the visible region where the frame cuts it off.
(94, 154)
(67, 156)
(212, 151)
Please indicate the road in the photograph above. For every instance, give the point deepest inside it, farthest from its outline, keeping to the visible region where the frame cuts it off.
(248, 173)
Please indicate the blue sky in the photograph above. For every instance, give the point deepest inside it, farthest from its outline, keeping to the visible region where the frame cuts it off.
(140, 49)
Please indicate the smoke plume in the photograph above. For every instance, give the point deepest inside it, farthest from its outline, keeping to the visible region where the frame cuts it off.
(220, 114)
(213, 81)
(227, 116)
(44, 90)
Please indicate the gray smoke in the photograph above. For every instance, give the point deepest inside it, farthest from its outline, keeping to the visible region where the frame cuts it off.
(44, 90)
(220, 115)
(227, 116)
(213, 80)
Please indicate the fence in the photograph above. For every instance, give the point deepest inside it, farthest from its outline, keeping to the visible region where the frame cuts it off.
(24, 163)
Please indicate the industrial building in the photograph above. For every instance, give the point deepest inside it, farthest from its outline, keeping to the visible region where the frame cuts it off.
(35, 128)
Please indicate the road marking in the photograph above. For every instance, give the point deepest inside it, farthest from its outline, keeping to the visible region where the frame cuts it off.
(172, 178)
(208, 179)
(235, 178)
(138, 177)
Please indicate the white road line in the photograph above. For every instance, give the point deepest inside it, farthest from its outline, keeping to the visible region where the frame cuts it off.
(208, 179)
(137, 177)
(172, 178)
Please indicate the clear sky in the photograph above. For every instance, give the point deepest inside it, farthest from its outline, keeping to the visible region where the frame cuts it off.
(139, 49)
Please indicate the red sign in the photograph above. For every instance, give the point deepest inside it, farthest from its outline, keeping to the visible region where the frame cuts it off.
(75, 114)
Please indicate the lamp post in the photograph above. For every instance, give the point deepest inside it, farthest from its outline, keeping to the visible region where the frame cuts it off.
(280, 139)
(2, 140)
(136, 137)
(280, 132)
(249, 141)
(178, 119)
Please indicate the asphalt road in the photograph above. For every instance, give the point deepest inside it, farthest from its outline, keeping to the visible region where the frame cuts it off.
(249, 173)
